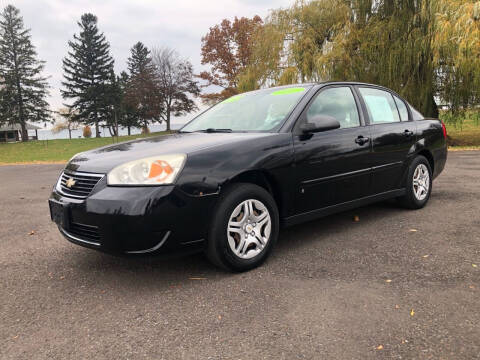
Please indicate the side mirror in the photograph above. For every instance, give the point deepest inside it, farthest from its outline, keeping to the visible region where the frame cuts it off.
(319, 123)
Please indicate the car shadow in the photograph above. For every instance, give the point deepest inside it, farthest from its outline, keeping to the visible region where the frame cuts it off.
(302, 235)
(150, 272)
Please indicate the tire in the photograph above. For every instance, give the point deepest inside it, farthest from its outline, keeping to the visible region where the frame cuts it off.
(228, 249)
(417, 196)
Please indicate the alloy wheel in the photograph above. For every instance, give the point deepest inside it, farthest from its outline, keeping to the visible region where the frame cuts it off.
(421, 182)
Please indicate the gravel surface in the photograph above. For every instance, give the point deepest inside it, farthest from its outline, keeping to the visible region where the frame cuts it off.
(396, 284)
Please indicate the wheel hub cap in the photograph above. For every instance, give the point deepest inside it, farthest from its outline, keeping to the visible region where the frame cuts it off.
(249, 229)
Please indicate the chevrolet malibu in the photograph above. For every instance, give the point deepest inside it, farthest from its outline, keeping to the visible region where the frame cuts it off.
(231, 177)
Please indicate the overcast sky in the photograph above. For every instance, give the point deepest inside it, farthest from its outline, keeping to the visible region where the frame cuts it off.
(179, 24)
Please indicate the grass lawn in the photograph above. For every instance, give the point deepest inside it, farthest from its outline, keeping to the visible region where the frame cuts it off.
(465, 138)
(59, 150)
(468, 136)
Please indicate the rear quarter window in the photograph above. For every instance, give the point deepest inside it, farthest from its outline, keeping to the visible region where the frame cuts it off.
(402, 108)
(416, 115)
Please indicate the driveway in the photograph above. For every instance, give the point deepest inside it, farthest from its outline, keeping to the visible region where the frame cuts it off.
(396, 284)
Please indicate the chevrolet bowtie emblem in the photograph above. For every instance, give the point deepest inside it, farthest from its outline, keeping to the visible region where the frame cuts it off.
(70, 182)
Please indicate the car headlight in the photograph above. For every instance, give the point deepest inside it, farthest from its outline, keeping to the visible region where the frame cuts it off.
(155, 170)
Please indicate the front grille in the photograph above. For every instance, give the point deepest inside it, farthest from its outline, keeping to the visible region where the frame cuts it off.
(84, 232)
(83, 184)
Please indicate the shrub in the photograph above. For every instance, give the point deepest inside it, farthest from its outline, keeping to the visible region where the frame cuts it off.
(87, 132)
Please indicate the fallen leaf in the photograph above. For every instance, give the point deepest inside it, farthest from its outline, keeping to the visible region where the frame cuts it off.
(356, 218)
(380, 347)
(388, 281)
(31, 232)
(198, 278)
(412, 230)
(425, 256)
(474, 265)
(412, 312)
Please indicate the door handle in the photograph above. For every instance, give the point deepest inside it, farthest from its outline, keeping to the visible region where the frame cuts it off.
(360, 140)
(408, 133)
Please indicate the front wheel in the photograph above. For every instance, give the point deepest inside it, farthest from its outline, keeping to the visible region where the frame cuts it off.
(244, 228)
(418, 185)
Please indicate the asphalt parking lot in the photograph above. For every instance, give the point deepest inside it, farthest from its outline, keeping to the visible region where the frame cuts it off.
(396, 284)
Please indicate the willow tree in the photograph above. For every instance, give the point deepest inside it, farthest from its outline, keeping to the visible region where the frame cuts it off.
(392, 45)
(380, 41)
(291, 43)
(457, 55)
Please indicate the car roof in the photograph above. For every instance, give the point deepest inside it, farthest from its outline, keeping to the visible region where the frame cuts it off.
(329, 83)
(325, 83)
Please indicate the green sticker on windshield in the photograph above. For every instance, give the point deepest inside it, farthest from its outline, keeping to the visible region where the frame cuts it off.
(286, 91)
(234, 98)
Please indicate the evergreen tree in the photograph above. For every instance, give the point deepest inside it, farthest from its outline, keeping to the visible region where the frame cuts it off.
(140, 60)
(128, 116)
(113, 101)
(23, 90)
(87, 72)
(142, 90)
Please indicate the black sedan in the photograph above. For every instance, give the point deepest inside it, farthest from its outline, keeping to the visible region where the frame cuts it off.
(230, 178)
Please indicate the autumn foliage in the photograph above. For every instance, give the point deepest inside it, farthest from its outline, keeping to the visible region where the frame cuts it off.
(87, 132)
(227, 48)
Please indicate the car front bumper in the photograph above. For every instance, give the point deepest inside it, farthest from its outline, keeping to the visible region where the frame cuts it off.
(134, 220)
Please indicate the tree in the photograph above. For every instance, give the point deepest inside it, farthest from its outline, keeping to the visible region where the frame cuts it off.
(141, 91)
(457, 55)
(65, 121)
(227, 48)
(87, 72)
(128, 116)
(175, 82)
(379, 41)
(23, 90)
(113, 102)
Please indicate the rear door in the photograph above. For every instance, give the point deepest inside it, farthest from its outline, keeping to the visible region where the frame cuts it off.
(393, 137)
(333, 166)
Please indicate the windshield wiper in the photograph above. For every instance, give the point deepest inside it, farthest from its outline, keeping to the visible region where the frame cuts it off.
(212, 130)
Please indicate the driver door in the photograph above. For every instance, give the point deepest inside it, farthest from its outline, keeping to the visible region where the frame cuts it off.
(332, 167)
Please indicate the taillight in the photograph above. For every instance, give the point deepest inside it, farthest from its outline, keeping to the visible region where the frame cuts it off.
(444, 130)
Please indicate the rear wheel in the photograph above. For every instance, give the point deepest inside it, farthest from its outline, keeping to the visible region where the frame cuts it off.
(419, 184)
(244, 228)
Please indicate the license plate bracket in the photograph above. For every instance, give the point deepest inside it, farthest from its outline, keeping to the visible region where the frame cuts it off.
(59, 213)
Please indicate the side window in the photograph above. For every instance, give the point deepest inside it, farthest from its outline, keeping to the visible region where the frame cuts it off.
(416, 114)
(380, 106)
(337, 102)
(402, 108)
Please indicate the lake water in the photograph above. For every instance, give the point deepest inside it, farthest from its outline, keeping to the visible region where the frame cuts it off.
(44, 134)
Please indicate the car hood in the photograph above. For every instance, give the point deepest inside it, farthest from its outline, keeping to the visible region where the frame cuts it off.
(104, 159)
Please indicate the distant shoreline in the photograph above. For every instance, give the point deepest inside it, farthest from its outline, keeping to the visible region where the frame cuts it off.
(47, 134)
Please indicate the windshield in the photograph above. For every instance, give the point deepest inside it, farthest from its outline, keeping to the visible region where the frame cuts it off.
(262, 110)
